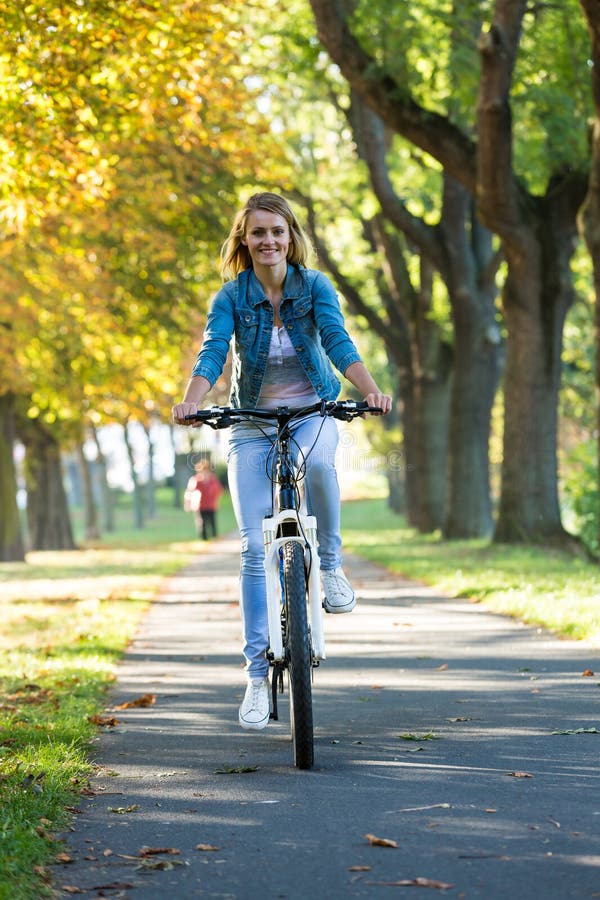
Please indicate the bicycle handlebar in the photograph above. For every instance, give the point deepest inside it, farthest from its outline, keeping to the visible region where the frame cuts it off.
(224, 416)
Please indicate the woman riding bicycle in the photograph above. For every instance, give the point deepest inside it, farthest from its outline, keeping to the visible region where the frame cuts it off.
(288, 329)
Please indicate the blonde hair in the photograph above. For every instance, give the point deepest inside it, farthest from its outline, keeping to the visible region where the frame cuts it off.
(235, 256)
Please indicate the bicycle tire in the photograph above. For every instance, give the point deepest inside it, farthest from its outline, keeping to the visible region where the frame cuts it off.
(300, 662)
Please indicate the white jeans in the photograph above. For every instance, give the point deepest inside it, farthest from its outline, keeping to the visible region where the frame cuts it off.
(250, 465)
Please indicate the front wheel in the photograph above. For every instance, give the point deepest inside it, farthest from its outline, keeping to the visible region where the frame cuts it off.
(300, 663)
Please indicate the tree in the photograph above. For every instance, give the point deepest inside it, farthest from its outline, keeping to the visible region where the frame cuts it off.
(119, 166)
(590, 212)
(538, 232)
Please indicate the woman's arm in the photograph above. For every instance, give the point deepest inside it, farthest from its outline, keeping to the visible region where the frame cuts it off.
(195, 392)
(358, 375)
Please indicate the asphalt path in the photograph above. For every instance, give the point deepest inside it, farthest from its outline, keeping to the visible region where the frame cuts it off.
(435, 730)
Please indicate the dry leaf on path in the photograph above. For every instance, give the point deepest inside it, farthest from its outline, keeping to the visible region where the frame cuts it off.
(359, 868)
(206, 848)
(154, 851)
(151, 864)
(587, 673)
(104, 721)
(520, 774)
(380, 842)
(122, 810)
(144, 700)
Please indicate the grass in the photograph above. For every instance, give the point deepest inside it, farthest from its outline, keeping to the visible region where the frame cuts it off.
(535, 584)
(65, 619)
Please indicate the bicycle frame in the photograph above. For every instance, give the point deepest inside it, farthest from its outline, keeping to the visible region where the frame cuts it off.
(288, 523)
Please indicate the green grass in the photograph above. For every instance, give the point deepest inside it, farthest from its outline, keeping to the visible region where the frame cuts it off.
(537, 585)
(65, 619)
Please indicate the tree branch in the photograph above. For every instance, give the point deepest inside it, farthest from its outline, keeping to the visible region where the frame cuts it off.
(432, 132)
(501, 203)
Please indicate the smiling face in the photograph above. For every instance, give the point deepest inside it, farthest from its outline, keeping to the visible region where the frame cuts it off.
(267, 238)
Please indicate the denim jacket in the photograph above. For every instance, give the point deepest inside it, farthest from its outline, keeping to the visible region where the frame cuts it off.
(311, 313)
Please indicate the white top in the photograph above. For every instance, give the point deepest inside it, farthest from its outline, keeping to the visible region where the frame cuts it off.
(284, 382)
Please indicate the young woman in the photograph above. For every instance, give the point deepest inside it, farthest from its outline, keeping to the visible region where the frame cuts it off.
(288, 330)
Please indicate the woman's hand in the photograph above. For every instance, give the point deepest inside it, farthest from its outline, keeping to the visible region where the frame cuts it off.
(181, 410)
(383, 401)
(197, 389)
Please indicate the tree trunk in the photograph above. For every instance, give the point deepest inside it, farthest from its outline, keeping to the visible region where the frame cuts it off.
(92, 532)
(180, 471)
(536, 299)
(151, 485)
(427, 409)
(477, 363)
(427, 451)
(48, 518)
(138, 506)
(108, 507)
(11, 540)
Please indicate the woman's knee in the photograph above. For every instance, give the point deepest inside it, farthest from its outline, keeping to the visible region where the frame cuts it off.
(252, 552)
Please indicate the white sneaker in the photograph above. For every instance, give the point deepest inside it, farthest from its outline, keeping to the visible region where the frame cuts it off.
(255, 709)
(339, 595)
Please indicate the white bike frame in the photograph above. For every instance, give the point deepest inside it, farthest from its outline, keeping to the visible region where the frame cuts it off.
(306, 533)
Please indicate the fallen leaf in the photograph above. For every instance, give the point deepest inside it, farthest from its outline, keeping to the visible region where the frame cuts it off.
(144, 700)
(460, 719)
(409, 736)
(415, 882)
(164, 865)
(71, 889)
(587, 673)
(380, 842)
(520, 774)
(235, 770)
(359, 868)
(104, 721)
(63, 858)
(442, 668)
(121, 810)
(554, 821)
(154, 851)
(490, 810)
(206, 848)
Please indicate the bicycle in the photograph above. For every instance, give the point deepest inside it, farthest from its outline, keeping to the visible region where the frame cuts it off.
(292, 569)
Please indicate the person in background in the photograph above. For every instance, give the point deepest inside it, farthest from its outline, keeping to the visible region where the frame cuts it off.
(288, 333)
(202, 498)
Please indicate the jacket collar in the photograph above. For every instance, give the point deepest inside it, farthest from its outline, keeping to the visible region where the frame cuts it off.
(293, 287)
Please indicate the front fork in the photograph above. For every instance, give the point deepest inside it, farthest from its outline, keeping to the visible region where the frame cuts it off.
(305, 533)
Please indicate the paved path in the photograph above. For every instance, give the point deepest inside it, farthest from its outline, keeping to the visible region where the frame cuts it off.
(489, 690)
